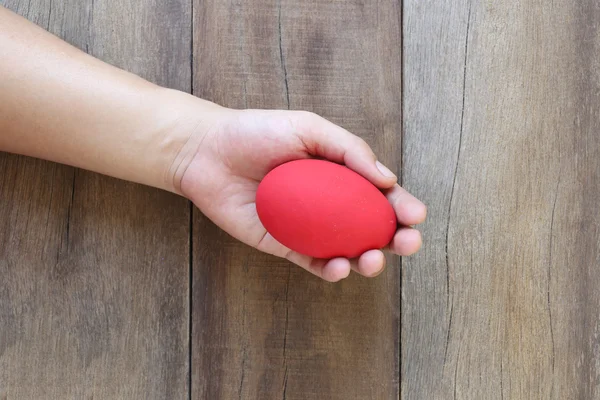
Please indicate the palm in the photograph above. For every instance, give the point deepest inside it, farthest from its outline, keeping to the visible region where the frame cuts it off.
(247, 147)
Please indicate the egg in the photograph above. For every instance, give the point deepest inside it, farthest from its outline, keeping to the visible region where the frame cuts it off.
(324, 210)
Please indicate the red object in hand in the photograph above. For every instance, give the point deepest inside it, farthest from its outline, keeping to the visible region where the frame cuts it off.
(324, 210)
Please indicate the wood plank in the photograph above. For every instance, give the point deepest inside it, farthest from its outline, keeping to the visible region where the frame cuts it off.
(434, 67)
(95, 272)
(501, 141)
(263, 329)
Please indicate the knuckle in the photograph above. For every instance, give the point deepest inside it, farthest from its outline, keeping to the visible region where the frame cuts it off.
(364, 146)
(298, 119)
(308, 114)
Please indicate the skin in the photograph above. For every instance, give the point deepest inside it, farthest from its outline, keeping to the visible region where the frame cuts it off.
(59, 104)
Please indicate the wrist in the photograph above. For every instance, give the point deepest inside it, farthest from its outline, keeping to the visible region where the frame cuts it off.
(182, 124)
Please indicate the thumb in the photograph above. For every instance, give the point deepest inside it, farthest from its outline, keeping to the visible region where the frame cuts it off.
(323, 138)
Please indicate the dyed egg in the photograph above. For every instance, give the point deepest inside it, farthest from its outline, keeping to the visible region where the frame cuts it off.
(324, 210)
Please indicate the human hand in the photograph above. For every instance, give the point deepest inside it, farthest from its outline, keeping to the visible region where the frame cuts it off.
(92, 115)
(241, 147)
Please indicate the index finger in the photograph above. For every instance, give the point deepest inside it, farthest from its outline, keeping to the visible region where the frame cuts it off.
(409, 210)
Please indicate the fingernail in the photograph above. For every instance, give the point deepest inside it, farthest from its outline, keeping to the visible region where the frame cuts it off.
(384, 170)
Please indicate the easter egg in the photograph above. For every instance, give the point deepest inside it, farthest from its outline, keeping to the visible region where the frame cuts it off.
(324, 210)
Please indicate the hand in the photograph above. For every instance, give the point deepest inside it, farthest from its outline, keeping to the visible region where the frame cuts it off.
(89, 114)
(243, 146)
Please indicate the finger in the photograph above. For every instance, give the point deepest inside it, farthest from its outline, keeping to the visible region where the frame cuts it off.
(369, 264)
(323, 138)
(406, 242)
(333, 270)
(409, 210)
(336, 269)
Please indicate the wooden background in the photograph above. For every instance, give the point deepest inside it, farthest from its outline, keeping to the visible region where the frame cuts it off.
(111, 290)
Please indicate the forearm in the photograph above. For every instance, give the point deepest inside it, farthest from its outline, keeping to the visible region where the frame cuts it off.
(60, 104)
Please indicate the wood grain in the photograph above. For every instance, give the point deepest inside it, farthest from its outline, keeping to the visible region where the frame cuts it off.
(94, 290)
(501, 140)
(263, 329)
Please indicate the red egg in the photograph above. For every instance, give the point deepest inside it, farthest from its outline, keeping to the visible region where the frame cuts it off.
(324, 210)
